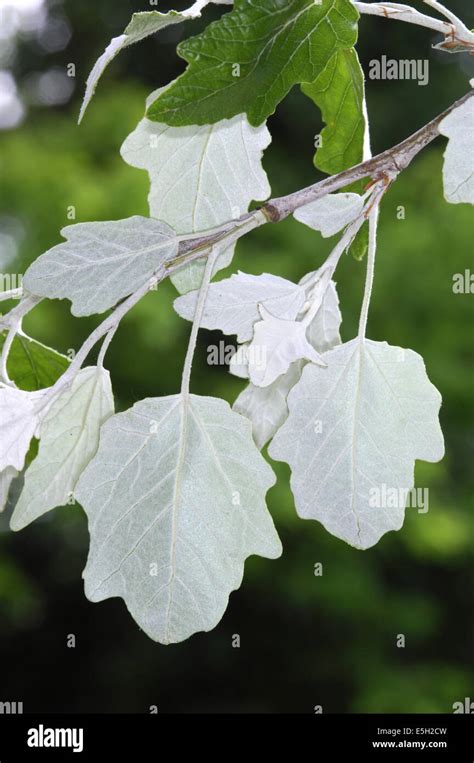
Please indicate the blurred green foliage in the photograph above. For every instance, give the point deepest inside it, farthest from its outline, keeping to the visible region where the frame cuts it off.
(305, 639)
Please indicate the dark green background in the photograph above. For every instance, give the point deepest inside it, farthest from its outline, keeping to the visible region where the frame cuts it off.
(305, 640)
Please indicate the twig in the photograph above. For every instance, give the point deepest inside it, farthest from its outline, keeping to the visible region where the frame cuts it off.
(389, 162)
(369, 279)
(386, 165)
(457, 37)
(400, 12)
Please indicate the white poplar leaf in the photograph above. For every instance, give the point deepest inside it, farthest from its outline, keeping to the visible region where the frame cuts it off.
(69, 439)
(354, 429)
(276, 344)
(101, 263)
(18, 425)
(232, 304)
(239, 362)
(323, 331)
(266, 407)
(6, 479)
(175, 498)
(331, 213)
(200, 177)
(458, 167)
(141, 25)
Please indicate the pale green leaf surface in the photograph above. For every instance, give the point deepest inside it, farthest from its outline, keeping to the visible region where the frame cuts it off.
(175, 498)
(276, 344)
(200, 177)
(232, 304)
(239, 362)
(266, 407)
(356, 426)
(101, 263)
(69, 439)
(323, 331)
(458, 167)
(18, 425)
(331, 213)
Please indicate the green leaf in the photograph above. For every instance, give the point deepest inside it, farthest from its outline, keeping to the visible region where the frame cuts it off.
(250, 59)
(32, 365)
(358, 248)
(339, 92)
(141, 25)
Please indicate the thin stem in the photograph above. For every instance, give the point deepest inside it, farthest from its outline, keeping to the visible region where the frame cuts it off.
(385, 165)
(11, 294)
(250, 222)
(400, 12)
(324, 274)
(457, 37)
(199, 5)
(107, 325)
(22, 308)
(105, 346)
(12, 321)
(393, 160)
(444, 12)
(188, 362)
(320, 280)
(369, 278)
(12, 331)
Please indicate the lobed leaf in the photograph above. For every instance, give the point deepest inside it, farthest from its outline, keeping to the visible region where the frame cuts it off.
(200, 177)
(141, 25)
(354, 430)
(232, 304)
(277, 343)
(175, 498)
(266, 407)
(339, 92)
(249, 60)
(101, 263)
(69, 438)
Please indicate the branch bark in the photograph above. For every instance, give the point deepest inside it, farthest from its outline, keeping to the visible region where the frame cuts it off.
(386, 165)
(457, 37)
(406, 13)
(390, 162)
